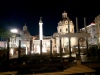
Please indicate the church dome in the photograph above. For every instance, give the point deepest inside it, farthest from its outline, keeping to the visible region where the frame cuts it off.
(64, 20)
(25, 30)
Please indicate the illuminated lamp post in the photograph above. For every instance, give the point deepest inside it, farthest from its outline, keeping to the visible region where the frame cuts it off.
(14, 30)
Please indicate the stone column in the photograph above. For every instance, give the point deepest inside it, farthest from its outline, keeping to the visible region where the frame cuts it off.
(69, 47)
(77, 30)
(58, 45)
(57, 48)
(50, 48)
(19, 50)
(8, 49)
(86, 37)
(30, 46)
(40, 29)
(60, 48)
(41, 48)
(69, 38)
(26, 49)
(78, 47)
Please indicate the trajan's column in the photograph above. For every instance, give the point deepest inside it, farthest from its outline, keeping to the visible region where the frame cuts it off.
(40, 29)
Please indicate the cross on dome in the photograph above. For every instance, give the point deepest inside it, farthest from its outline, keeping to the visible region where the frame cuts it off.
(64, 14)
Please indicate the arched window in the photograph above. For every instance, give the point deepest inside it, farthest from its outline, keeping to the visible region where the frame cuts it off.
(66, 29)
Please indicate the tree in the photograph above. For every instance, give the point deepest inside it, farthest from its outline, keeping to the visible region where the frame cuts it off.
(4, 33)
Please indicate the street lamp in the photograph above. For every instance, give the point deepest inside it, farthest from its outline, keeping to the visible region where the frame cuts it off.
(14, 30)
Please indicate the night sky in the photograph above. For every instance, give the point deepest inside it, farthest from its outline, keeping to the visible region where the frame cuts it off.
(15, 13)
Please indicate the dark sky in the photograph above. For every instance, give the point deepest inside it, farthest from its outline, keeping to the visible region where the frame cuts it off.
(15, 13)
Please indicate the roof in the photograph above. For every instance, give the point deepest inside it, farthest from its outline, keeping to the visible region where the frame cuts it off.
(92, 23)
(56, 34)
(75, 35)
